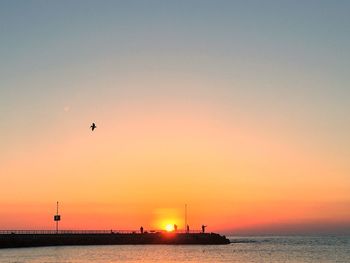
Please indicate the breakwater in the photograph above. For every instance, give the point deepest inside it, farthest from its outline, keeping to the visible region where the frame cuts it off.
(18, 239)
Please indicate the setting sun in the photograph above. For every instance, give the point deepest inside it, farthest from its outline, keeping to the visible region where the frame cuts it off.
(169, 227)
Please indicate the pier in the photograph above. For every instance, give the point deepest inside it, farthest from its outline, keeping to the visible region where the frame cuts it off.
(38, 238)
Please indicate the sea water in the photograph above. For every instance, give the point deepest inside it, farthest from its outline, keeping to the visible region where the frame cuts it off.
(242, 249)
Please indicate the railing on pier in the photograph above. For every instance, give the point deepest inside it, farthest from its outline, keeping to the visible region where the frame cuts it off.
(112, 231)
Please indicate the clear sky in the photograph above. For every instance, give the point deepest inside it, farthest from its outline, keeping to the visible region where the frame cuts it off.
(241, 109)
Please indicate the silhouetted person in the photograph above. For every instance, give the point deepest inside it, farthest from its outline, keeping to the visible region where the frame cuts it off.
(187, 229)
(93, 126)
(141, 230)
(175, 227)
(203, 228)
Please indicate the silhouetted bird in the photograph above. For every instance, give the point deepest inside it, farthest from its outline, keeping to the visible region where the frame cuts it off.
(93, 126)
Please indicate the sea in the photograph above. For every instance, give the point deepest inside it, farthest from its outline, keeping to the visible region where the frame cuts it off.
(242, 249)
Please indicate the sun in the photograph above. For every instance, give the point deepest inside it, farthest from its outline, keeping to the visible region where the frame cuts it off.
(169, 227)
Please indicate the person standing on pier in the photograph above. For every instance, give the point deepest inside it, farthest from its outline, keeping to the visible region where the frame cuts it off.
(203, 228)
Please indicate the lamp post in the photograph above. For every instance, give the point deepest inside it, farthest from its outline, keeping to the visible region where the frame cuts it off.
(186, 226)
(57, 218)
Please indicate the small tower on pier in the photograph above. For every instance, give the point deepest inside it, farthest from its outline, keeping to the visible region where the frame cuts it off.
(186, 224)
(57, 218)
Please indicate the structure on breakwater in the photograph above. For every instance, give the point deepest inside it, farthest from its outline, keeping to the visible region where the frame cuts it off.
(25, 238)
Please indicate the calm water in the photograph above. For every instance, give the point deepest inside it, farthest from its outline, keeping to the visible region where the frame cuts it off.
(245, 249)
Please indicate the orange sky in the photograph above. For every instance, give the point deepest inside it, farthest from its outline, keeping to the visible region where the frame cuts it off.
(238, 109)
(143, 166)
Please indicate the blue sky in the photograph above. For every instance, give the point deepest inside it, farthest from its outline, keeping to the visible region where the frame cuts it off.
(277, 57)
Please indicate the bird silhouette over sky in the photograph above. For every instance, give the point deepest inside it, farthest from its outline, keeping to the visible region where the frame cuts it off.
(93, 126)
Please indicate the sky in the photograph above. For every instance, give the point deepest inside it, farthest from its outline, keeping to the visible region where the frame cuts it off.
(239, 109)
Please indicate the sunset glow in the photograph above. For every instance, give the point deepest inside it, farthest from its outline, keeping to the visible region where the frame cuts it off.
(169, 227)
(193, 103)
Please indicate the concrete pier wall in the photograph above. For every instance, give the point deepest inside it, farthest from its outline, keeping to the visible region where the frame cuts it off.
(36, 240)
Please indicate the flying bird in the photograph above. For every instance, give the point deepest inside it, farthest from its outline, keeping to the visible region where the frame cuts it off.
(93, 126)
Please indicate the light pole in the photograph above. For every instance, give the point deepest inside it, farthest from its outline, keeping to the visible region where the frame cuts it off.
(57, 218)
(186, 228)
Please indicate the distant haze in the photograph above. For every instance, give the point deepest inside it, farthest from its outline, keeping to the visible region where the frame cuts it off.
(240, 109)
